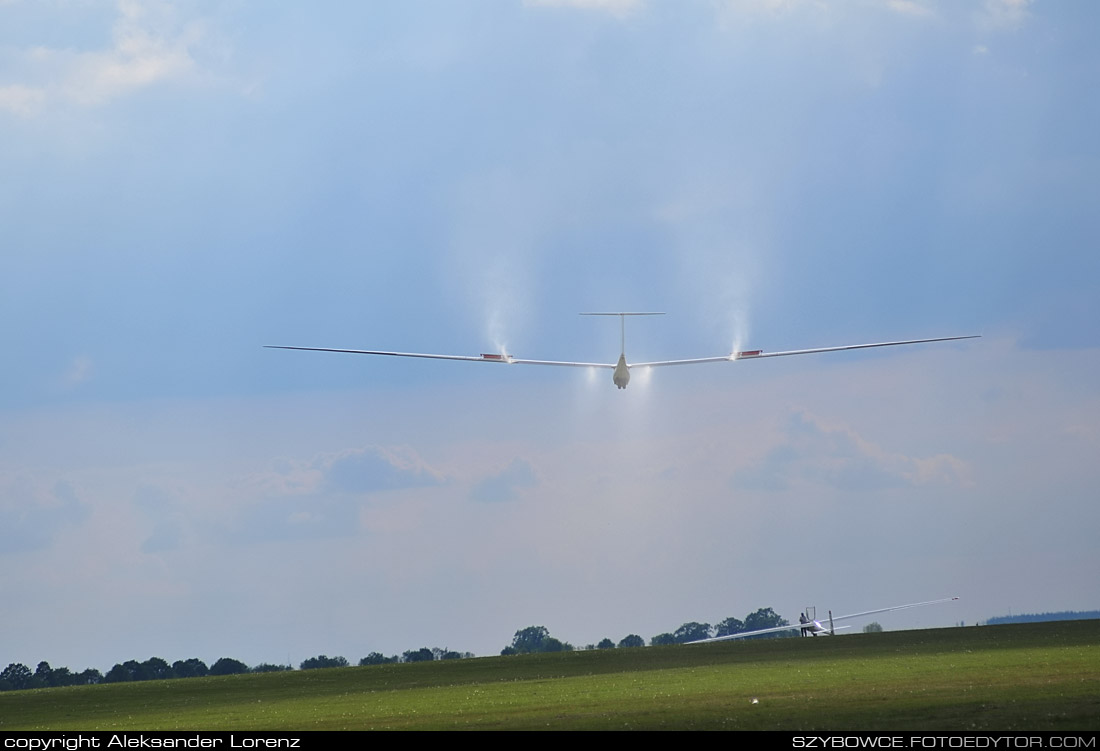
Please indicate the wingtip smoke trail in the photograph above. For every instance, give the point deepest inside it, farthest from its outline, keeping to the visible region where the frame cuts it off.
(740, 325)
(495, 331)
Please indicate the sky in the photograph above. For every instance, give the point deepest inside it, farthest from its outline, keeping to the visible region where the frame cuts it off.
(184, 182)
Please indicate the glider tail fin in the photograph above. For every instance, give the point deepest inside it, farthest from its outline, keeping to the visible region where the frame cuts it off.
(622, 325)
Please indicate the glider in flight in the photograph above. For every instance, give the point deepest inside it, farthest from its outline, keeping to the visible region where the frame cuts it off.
(813, 627)
(621, 369)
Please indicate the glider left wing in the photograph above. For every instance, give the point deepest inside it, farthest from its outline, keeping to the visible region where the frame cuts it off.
(506, 359)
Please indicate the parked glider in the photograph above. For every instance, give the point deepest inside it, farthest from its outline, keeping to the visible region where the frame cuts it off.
(621, 368)
(815, 627)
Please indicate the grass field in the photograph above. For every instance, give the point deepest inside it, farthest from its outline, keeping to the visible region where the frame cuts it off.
(1016, 677)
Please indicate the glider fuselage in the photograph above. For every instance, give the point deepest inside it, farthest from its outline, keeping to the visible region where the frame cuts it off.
(621, 376)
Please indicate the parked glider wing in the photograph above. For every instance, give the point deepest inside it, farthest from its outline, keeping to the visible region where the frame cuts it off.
(746, 634)
(797, 626)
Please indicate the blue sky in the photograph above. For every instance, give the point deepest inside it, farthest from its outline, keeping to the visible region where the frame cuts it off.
(186, 182)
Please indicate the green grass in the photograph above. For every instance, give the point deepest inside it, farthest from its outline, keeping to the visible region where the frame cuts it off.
(1014, 677)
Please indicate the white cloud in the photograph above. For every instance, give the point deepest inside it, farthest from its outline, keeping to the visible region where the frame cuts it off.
(149, 45)
(355, 470)
(811, 451)
(22, 100)
(769, 6)
(614, 7)
(80, 370)
(909, 8)
(1006, 14)
(505, 485)
(374, 468)
(33, 513)
(147, 48)
(727, 9)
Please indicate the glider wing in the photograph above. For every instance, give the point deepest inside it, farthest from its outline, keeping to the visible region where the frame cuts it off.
(758, 353)
(506, 359)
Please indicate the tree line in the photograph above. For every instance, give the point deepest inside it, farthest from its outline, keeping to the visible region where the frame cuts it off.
(17, 677)
(1062, 615)
(534, 639)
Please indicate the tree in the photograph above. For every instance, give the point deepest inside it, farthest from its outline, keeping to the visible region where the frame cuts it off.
(605, 644)
(767, 618)
(157, 669)
(118, 674)
(377, 658)
(228, 666)
(267, 667)
(141, 671)
(420, 655)
(661, 640)
(323, 661)
(729, 626)
(131, 670)
(632, 640)
(89, 677)
(530, 639)
(193, 668)
(535, 639)
(16, 675)
(874, 627)
(691, 632)
(61, 677)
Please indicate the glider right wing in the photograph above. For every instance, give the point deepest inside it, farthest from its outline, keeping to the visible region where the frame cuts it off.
(757, 354)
